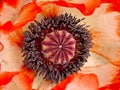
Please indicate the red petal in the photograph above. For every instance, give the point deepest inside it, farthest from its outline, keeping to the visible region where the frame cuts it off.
(78, 82)
(91, 5)
(27, 13)
(81, 7)
(9, 2)
(7, 27)
(115, 4)
(115, 84)
(6, 77)
(105, 73)
(87, 7)
(63, 84)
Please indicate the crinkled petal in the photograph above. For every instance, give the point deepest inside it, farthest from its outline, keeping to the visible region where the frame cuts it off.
(6, 77)
(10, 86)
(10, 57)
(15, 19)
(8, 19)
(50, 10)
(7, 27)
(78, 82)
(23, 81)
(104, 27)
(16, 80)
(9, 2)
(6, 16)
(18, 33)
(105, 73)
(85, 6)
(27, 13)
(115, 85)
(9, 10)
(114, 5)
(5, 6)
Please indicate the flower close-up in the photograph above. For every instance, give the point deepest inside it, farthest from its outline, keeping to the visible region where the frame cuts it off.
(59, 44)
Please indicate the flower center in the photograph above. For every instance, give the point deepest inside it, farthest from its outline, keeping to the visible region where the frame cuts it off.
(56, 47)
(59, 46)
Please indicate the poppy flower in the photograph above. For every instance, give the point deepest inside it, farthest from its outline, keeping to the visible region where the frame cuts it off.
(59, 44)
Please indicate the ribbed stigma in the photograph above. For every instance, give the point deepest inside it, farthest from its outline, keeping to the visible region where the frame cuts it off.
(59, 46)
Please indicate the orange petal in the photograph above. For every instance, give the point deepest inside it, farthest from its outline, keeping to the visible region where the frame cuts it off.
(19, 37)
(23, 81)
(28, 13)
(50, 10)
(6, 77)
(78, 82)
(28, 72)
